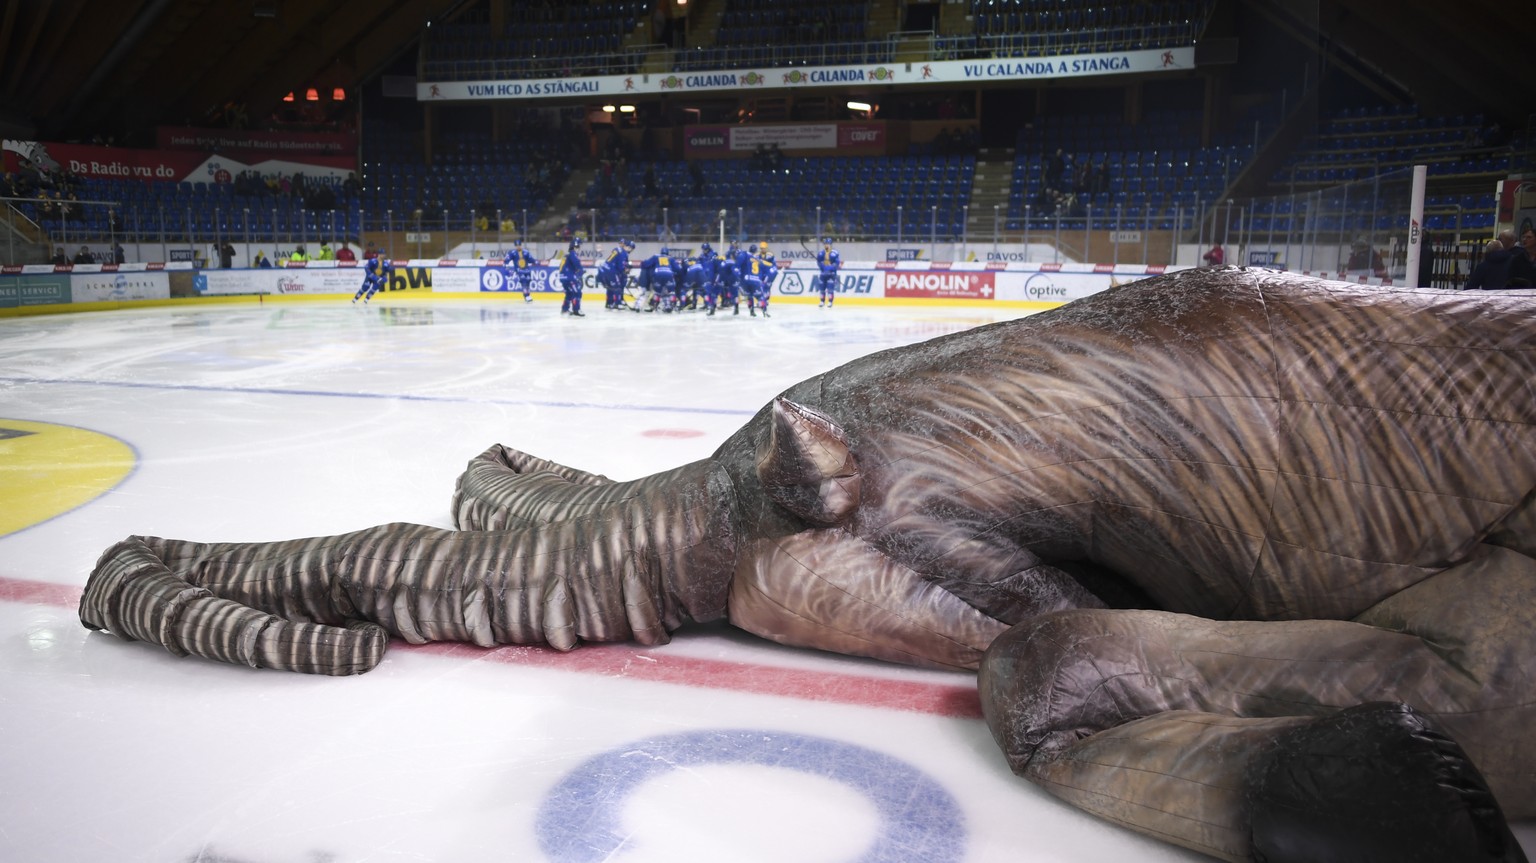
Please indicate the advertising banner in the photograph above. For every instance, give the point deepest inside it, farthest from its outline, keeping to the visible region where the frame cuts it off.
(492, 280)
(1050, 284)
(319, 281)
(747, 80)
(939, 285)
(704, 140)
(860, 135)
(109, 287)
(20, 291)
(119, 163)
(256, 141)
(820, 136)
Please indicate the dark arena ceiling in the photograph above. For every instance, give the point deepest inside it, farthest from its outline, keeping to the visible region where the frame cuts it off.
(71, 68)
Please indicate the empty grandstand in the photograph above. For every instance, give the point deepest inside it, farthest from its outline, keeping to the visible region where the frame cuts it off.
(1076, 130)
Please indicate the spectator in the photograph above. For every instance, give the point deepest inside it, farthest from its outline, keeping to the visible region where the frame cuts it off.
(1427, 258)
(299, 255)
(60, 259)
(1363, 258)
(1216, 257)
(84, 256)
(226, 256)
(325, 253)
(1492, 271)
(346, 254)
(1520, 272)
(118, 256)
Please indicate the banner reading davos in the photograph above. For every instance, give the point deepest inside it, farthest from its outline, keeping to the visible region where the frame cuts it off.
(936, 72)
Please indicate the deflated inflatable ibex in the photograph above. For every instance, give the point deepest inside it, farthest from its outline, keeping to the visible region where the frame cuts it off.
(1246, 561)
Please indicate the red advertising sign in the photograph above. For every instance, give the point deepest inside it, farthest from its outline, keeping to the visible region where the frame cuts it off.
(920, 284)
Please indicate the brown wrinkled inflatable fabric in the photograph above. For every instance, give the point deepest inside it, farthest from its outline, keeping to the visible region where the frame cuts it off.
(1319, 494)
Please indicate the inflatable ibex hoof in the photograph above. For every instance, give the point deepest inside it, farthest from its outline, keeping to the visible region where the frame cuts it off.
(133, 595)
(1377, 782)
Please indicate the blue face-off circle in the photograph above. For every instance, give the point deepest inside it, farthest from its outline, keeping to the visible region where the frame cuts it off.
(581, 820)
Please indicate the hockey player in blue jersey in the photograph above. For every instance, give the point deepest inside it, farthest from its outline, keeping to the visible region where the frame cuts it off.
(613, 273)
(830, 262)
(517, 268)
(663, 280)
(724, 286)
(680, 264)
(752, 269)
(571, 272)
(710, 264)
(695, 283)
(770, 273)
(376, 272)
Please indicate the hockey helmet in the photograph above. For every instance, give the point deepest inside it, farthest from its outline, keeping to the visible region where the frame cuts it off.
(664, 251)
(575, 242)
(628, 244)
(763, 246)
(705, 247)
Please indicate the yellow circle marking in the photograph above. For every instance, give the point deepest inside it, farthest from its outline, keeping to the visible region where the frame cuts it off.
(47, 470)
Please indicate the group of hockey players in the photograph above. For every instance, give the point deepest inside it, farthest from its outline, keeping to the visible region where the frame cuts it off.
(665, 282)
(705, 280)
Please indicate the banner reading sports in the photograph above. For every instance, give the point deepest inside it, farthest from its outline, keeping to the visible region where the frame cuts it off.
(935, 72)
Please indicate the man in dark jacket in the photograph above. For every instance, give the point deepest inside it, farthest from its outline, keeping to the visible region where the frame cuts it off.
(1490, 272)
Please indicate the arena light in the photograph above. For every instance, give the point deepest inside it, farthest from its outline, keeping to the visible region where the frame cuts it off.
(626, 109)
(312, 95)
(858, 106)
(289, 97)
(339, 94)
(609, 109)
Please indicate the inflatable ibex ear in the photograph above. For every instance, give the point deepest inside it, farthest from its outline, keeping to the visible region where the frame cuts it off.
(806, 467)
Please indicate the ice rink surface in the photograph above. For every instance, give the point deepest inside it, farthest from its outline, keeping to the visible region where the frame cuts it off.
(248, 422)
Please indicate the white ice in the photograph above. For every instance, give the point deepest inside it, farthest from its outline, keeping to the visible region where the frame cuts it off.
(274, 421)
